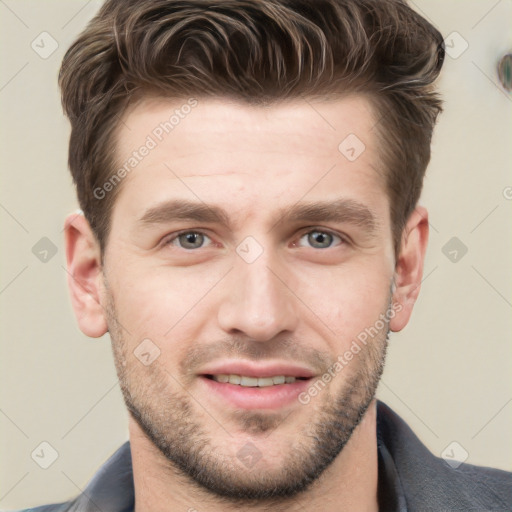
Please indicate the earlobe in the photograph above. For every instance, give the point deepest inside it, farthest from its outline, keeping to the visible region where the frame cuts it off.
(409, 267)
(83, 258)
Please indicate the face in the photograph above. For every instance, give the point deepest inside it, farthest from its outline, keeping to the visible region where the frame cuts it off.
(246, 259)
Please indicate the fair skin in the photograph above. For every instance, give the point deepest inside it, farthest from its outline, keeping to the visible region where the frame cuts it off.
(291, 311)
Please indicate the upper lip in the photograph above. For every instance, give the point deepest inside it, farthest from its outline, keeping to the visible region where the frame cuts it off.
(257, 369)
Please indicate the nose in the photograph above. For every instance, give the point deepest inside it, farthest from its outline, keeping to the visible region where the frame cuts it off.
(257, 301)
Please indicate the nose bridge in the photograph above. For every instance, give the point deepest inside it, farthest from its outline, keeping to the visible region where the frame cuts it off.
(257, 303)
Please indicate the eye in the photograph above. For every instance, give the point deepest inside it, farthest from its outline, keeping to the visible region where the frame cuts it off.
(319, 239)
(189, 240)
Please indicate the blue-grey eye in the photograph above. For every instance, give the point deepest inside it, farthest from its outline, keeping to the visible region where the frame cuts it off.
(318, 239)
(190, 240)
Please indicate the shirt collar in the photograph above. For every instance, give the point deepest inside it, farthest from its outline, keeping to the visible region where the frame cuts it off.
(391, 496)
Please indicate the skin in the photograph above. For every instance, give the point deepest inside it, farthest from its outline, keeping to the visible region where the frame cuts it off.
(296, 302)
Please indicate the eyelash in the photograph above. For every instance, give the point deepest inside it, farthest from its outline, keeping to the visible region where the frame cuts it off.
(343, 239)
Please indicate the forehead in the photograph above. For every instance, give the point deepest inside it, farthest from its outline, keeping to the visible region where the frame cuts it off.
(247, 157)
(284, 125)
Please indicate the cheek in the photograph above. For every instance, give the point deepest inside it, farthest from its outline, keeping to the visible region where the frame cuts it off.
(152, 302)
(347, 300)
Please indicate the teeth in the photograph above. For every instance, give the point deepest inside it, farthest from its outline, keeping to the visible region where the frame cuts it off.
(265, 381)
(253, 382)
(235, 379)
(249, 381)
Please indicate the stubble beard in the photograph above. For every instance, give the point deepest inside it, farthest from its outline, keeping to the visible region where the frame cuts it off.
(169, 419)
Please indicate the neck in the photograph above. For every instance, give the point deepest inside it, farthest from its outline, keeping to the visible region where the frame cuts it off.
(348, 484)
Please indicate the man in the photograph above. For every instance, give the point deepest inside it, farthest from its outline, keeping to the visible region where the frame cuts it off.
(249, 173)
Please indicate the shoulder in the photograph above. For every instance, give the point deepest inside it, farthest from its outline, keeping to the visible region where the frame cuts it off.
(111, 488)
(430, 483)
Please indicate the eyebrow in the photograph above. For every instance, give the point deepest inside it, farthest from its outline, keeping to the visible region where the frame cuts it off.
(340, 211)
(180, 209)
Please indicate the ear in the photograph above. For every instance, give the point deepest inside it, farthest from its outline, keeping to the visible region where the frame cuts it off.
(409, 267)
(84, 270)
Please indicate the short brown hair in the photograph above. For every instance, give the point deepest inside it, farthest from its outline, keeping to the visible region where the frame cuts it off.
(257, 51)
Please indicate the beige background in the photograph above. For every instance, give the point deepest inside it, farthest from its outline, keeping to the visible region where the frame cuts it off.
(448, 373)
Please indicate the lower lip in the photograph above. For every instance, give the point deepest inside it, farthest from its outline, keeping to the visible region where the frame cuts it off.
(270, 397)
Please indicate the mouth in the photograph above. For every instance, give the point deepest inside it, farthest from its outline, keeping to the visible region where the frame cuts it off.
(248, 385)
